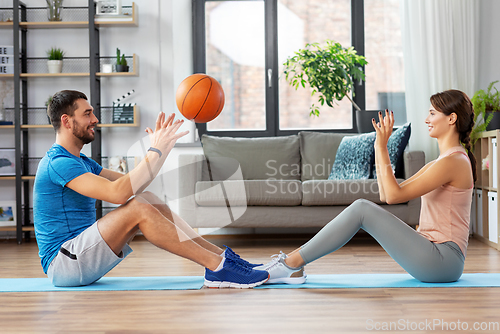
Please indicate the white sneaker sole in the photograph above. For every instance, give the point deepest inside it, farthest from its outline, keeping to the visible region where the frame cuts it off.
(232, 285)
(287, 280)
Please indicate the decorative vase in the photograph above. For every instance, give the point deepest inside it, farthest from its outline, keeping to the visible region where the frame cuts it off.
(54, 10)
(364, 120)
(55, 66)
(121, 68)
(495, 121)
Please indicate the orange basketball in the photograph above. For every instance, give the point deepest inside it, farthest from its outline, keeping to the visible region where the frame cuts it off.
(200, 98)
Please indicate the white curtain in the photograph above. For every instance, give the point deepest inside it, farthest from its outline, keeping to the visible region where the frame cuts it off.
(440, 52)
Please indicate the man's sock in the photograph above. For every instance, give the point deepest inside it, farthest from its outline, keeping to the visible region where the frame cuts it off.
(221, 264)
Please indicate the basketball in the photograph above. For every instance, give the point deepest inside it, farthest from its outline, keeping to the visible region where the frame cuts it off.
(200, 98)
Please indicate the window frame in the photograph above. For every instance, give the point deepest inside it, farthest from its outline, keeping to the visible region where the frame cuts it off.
(271, 63)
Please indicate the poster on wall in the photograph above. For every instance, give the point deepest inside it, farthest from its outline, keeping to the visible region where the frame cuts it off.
(7, 161)
(8, 213)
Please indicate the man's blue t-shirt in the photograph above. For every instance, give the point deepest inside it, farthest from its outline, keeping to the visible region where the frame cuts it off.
(60, 214)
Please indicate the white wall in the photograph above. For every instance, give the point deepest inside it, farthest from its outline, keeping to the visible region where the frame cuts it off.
(489, 46)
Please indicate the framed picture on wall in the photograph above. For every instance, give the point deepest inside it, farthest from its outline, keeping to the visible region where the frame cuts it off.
(7, 213)
(7, 161)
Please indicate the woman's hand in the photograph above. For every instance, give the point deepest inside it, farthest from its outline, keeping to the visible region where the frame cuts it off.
(165, 136)
(383, 128)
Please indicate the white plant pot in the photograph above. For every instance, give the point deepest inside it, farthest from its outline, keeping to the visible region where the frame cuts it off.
(55, 66)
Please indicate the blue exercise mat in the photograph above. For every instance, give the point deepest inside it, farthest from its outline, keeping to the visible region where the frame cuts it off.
(339, 281)
(350, 281)
(106, 284)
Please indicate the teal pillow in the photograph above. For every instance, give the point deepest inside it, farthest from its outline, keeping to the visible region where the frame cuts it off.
(355, 157)
(396, 147)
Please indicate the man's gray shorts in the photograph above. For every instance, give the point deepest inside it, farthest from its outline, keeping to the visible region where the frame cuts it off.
(84, 259)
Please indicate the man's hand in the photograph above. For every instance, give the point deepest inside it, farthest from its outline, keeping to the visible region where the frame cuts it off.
(164, 137)
(113, 188)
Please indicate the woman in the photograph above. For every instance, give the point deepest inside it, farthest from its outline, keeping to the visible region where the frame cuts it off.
(434, 253)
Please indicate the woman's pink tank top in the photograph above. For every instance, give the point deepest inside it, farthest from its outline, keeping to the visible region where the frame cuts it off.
(445, 212)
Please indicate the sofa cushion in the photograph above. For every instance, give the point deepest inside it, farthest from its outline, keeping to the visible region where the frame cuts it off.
(249, 192)
(396, 146)
(318, 151)
(259, 158)
(354, 158)
(339, 192)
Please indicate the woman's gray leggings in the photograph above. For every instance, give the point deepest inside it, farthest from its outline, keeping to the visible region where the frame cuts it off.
(421, 258)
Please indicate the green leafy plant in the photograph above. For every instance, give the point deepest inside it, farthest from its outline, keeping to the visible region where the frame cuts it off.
(331, 70)
(483, 102)
(55, 54)
(120, 58)
(48, 101)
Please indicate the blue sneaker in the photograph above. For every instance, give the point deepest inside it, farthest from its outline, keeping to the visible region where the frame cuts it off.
(230, 254)
(233, 275)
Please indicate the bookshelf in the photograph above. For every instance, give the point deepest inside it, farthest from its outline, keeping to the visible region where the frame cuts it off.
(25, 70)
(485, 218)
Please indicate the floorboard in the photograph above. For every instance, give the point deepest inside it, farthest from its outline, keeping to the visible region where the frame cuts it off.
(250, 311)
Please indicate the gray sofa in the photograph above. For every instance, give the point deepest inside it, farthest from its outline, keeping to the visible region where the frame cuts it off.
(275, 182)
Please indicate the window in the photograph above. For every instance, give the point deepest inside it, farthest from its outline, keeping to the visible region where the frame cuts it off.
(235, 50)
(243, 44)
(310, 21)
(385, 84)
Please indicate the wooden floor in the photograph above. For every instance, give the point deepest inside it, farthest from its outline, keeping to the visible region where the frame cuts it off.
(249, 311)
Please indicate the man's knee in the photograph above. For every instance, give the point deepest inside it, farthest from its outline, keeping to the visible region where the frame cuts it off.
(138, 205)
(149, 198)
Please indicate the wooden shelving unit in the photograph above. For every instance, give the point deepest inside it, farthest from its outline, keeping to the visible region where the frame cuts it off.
(486, 204)
(133, 22)
(54, 25)
(13, 228)
(134, 73)
(121, 22)
(6, 25)
(21, 126)
(121, 125)
(48, 75)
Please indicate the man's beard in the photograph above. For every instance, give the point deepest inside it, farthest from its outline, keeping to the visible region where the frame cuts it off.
(82, 133)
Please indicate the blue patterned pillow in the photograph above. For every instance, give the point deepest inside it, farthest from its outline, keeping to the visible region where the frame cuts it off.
(354, 159)
(396, 146)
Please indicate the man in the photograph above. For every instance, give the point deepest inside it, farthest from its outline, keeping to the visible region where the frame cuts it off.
(77, 250)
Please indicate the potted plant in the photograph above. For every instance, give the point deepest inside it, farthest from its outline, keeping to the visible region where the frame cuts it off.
(47, 103)
(331, 71)
(54, 62)
(54, 10)
(121, 62)
(487, 107)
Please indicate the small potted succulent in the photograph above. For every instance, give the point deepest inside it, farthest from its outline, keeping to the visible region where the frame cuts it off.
(121, 62)
(54, 62)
